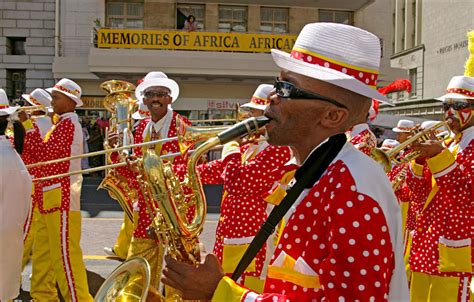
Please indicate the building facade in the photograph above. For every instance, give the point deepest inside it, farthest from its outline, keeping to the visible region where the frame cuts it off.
(217, 66)
(27, 45)
(430, 44)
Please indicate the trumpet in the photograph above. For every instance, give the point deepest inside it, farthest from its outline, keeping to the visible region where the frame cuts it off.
(32, 108)
(386, 158)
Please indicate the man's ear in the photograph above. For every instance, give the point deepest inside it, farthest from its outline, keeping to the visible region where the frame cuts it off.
(334, 117)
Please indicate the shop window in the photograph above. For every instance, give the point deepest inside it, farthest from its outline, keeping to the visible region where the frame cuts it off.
(343, 17)
(273, 20)
(184, 10)
(124, 14)
(232, 18)
(16, 83)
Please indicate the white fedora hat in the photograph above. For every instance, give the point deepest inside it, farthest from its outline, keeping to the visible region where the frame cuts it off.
(38, 97)
(342, 55)
(429, 124)
(259, 99)
(404, 126)
(68, 88)
(460, 87)
(157, 78)
(5, 108)
(389, 144)
(142, 111)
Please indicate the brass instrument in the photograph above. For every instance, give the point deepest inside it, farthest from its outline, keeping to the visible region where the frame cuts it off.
(31, 108)
(170, 203)
(119, 101)
(386, 158)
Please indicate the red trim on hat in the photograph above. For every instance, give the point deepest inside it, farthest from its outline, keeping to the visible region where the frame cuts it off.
(35, 101)
(367, 77)
(4, 106)
(404, 128)
(62, 88)
(259, 101)
(143, 112)
(463, 91)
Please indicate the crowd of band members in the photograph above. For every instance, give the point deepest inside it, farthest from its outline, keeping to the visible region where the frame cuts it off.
(434, 192)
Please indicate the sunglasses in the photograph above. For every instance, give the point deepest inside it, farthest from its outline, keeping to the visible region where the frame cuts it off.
(456, 105)
(290, 91)
(151, 94)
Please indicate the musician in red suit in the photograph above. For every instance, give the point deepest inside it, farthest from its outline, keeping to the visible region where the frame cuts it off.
(361, 136)
(57, 255)
(247, 172)
(42, 123)
(342, 240)
(441, 252)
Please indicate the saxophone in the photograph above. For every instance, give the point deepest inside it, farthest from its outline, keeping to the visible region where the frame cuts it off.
(170, 205)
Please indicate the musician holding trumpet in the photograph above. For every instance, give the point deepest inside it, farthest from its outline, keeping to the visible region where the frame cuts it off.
(343, 237)
(247, 171)
(57, 255)
(441, 252)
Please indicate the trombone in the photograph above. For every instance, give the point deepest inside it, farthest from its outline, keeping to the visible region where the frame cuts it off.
(386, 158)
(31, 108)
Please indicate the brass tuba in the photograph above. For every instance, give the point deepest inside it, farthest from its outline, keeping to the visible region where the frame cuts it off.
(119, 101)
(179, 234)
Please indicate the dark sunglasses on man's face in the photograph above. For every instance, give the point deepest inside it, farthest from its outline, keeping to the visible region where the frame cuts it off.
(151, 94)
(456, 105)
(288, 90)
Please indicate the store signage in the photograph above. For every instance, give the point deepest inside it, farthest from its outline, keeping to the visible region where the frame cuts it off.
(222, 105)
(91, 102)
(182, 40)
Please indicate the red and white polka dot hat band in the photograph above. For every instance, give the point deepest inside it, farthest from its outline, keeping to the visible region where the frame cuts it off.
(142, 111)
(38, 97)
(5, 108)
(389, 144)
(404, 126)
(343, 55)
(460, 87)
(68, 88)
(260, 97)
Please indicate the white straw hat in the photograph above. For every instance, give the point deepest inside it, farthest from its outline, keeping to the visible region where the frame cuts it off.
(259, 99)
(389, 144)
(342, 55)
(157, 78)
(142, 111)
(68, 88)
(38, 97)
(404, 126)
(5, 108)
(460, 87)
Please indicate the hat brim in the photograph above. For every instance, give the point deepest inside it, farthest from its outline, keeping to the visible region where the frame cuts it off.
(454, 96)
(138, 116)
(398, 130)
(8, 110)
(168, 83)
(78, 101)
(284, 61)
(254, 106)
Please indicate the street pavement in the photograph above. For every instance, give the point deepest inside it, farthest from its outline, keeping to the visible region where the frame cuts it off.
(101, 223)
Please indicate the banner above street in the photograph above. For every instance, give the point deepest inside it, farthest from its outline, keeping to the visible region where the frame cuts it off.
(204, 41)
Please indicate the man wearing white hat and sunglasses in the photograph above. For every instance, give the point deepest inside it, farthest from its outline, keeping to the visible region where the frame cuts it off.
(15, 200)
(247, 171)
(57, 255)
(441, 252)
(342, 240)
(157, 92)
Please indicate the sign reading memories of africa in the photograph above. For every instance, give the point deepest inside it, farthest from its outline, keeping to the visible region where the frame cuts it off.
(182, 40)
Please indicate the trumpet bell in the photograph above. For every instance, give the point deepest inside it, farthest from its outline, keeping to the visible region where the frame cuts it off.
(130, 282)
(382, 158)
(118, 92)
